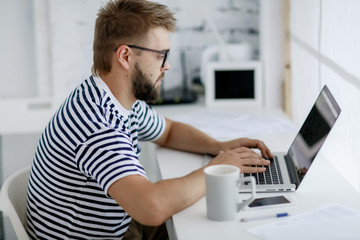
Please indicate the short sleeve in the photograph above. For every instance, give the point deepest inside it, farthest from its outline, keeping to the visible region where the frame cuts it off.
(151, 124)
(107, 156)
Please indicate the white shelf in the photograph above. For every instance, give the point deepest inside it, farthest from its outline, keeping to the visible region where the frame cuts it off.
(25, 116)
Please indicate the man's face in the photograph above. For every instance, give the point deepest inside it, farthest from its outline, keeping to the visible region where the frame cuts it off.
(143, 87)
(148, 71)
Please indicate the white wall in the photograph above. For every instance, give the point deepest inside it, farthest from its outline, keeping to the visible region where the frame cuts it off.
(325, 49)
(17, 65)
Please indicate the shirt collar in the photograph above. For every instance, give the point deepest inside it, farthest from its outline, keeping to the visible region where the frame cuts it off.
(102, 85)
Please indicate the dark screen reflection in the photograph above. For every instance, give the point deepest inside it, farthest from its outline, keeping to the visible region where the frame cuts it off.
(314, 132)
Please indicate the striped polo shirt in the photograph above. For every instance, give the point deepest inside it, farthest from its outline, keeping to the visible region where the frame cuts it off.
(90, 142)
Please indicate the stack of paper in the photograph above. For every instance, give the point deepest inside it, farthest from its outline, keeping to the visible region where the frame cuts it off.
(331, 222)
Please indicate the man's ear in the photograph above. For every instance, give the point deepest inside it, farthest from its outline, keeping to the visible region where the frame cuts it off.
(124, 55)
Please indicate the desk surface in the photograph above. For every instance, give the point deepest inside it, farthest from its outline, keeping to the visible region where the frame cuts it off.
(316, 190)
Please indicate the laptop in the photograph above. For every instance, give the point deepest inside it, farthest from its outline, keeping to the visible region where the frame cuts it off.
(287, 170)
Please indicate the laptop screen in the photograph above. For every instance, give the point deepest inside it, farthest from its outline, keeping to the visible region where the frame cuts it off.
(314, 131)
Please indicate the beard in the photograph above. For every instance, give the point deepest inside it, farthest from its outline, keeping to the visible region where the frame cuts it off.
(142, 86)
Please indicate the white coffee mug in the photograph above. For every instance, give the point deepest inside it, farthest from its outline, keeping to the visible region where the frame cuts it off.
(222, 192)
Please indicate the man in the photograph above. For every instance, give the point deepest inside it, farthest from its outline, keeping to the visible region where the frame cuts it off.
(86, 181)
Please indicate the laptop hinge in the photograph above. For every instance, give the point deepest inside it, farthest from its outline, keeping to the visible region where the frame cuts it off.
(294, 178)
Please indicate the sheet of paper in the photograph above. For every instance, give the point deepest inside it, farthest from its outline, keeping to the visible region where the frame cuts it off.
(331, 222)
(225, 125)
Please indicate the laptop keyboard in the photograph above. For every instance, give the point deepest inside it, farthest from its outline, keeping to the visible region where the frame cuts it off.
(272, 175)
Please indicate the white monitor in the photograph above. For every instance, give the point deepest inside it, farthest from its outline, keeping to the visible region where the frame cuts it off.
(234, 84)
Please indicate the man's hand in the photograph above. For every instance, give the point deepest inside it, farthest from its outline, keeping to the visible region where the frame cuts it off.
(249, 143)
(246, 159)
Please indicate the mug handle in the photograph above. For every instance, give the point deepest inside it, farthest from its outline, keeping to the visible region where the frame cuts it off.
(246, 202)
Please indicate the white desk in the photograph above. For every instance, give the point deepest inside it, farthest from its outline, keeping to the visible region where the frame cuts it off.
(316, 190)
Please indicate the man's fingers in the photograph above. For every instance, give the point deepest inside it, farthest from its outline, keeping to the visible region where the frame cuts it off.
(254, 169)
(256, 162)
(246, 159)
(265, 151)
(252, 156)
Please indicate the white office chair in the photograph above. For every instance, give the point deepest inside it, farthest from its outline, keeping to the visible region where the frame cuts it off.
(14, 193)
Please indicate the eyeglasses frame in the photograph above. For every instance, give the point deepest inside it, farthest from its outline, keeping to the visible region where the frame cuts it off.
(166, 53)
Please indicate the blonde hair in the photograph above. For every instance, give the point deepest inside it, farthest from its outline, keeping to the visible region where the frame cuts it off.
(125, 22)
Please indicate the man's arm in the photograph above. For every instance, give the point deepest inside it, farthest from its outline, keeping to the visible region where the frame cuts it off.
(153, 203)
(184, 137)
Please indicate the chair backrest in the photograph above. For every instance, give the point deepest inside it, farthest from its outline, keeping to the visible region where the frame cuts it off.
(14, 193)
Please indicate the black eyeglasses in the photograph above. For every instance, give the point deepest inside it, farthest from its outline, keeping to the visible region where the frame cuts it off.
(166, 53)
